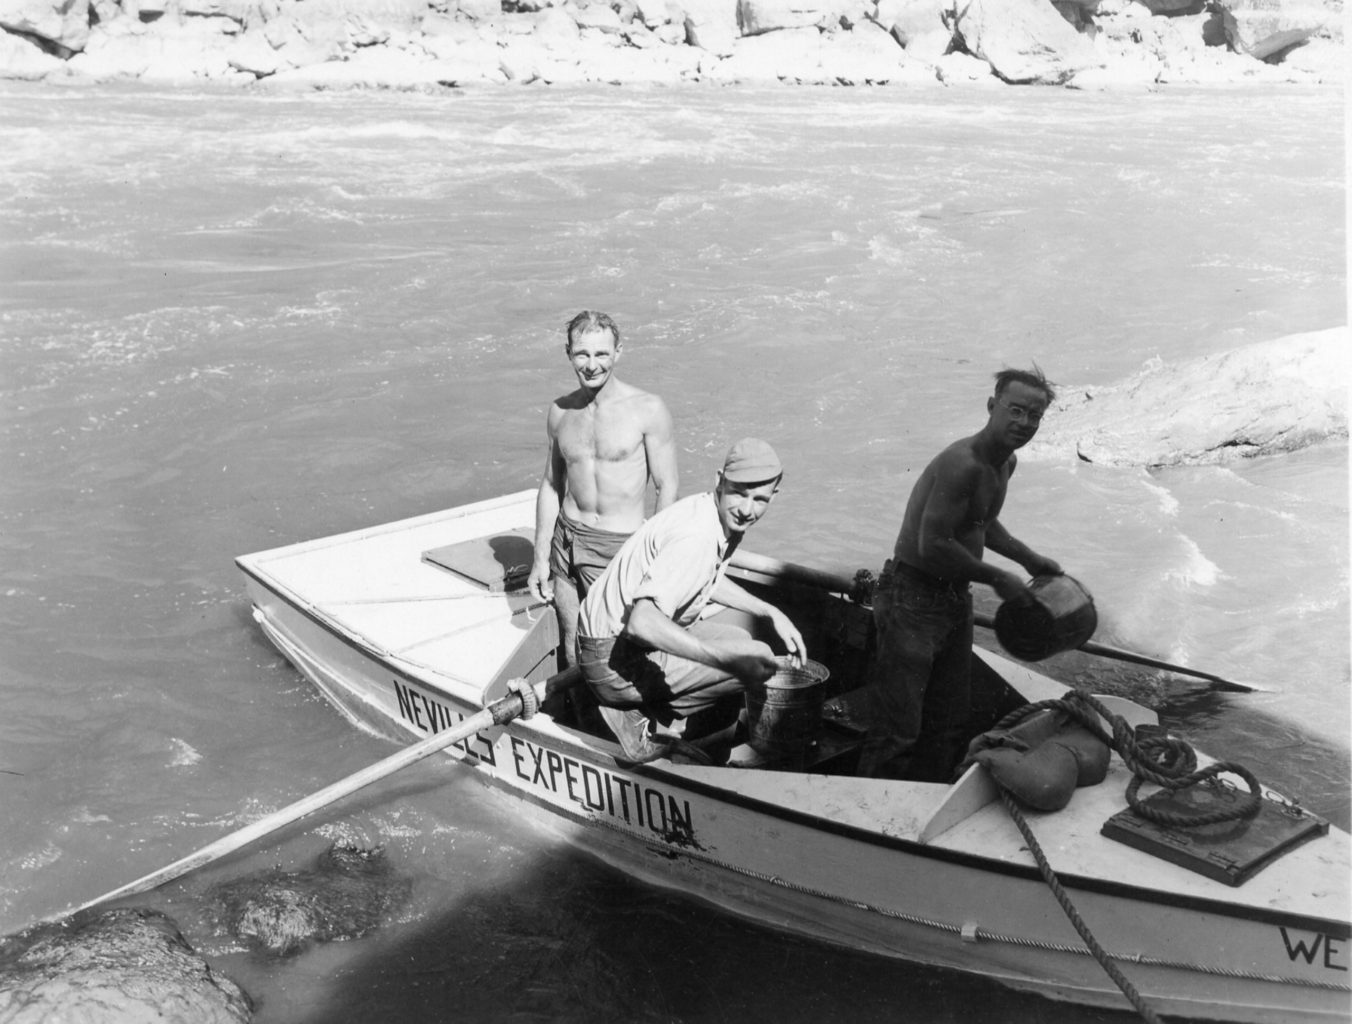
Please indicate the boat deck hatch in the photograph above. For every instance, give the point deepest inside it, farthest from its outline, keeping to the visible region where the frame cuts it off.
(500, 562)
(1231, 851)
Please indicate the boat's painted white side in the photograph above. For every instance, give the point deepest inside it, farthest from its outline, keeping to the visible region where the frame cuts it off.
(929, 873)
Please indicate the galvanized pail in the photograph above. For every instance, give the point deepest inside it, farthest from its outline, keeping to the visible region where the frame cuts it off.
(784, 713)
(1060, 617)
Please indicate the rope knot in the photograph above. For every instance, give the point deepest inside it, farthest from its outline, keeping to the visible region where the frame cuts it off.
(864, 586)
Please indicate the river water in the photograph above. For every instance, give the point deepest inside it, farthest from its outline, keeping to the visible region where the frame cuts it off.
(232, 321)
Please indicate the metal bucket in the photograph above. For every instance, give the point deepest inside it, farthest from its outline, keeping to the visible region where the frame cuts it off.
(784, 713)
(1060, 617)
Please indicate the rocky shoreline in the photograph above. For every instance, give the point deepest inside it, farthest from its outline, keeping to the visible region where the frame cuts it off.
(438, 44)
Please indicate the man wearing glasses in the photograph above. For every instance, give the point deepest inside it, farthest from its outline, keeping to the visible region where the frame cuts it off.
(921, 674)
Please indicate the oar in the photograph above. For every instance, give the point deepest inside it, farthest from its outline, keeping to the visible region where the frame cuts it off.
(1105, 651)
(497, 713)
(774, 568)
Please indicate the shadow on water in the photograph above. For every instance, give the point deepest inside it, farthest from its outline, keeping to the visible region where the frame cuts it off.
(572, 940)
(561, 937)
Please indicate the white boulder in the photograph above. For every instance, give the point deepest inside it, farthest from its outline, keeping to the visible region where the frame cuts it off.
(963, 69)
(479, 10)
(602, 17)
(787, 55)
(555, 29)
(710, 24)
(63, 22)
(371, 67)
(867, 55)
(923, 27)
(25, 61)
(911, 19)
(1260, 399)
(1261, 28)
(1319, 60)
(755, 17)
(1023, 40)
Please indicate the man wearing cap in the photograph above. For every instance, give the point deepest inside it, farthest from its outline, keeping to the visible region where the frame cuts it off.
(646, 654)
(922, 606)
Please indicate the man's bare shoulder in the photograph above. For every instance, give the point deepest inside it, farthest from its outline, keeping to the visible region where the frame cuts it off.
(641, 405)
(570, 402)
(958, 458)
(654, 409)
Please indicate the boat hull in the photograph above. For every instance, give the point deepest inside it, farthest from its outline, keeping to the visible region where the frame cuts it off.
(804, 852)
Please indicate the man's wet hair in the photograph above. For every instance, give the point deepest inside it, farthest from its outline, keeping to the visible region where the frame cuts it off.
(1034, 378)
(590, 320)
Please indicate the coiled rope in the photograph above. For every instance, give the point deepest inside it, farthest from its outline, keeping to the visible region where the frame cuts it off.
(1152, 756)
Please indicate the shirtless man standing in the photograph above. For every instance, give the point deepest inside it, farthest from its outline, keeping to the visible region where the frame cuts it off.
(606, 439)
(921, 678)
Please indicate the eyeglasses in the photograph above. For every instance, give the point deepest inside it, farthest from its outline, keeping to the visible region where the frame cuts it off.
(1021, 414)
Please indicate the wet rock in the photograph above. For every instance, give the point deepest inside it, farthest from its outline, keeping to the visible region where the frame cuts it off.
(347, 894)
(123, 966)
(1261, 399)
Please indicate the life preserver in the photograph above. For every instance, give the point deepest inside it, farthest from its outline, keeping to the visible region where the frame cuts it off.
(1043, 759)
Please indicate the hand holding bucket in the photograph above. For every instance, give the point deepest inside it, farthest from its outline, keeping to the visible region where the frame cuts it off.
(784, 712)
(1059, 617)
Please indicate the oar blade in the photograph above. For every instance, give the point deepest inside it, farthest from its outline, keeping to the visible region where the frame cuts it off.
(497, 713)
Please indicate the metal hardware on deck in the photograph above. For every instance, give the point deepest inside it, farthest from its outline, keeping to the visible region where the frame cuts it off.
(1226, 852)
(969, 930)
(530, 703)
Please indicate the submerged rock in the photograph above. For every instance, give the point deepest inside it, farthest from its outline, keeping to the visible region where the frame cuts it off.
(1261, 399)
(348, 893)
(123, 966)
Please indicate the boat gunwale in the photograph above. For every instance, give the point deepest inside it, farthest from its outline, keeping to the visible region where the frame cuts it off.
(1338, 930)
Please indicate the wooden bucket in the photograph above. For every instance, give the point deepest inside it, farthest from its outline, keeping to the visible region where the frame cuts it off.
(1060, 617)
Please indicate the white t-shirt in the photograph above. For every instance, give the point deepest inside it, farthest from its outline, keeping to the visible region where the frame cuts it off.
(675, 559)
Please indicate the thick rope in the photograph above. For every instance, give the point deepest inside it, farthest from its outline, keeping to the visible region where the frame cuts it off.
(1100, 954)
(1153, 756)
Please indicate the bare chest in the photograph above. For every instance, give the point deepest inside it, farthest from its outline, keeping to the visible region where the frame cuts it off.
(988, 497)
(588, 435)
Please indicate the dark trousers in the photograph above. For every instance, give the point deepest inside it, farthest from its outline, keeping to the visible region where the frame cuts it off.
(921, 677)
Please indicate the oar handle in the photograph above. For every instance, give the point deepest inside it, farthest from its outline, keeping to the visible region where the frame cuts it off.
(497, 713)
(838, 584)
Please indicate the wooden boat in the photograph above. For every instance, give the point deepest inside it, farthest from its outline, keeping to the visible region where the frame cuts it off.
(931, 873)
